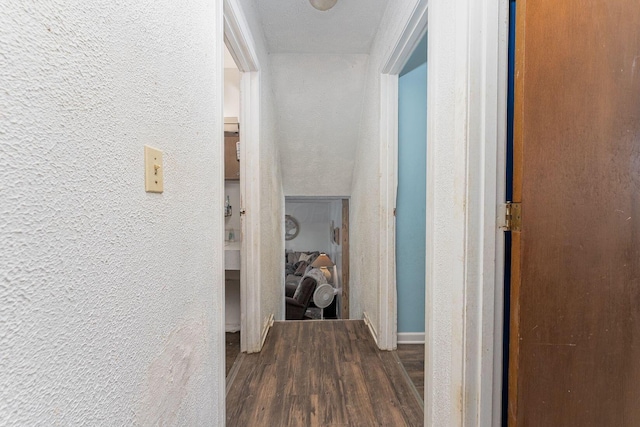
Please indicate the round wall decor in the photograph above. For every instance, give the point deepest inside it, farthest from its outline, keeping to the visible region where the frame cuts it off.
(291, 227)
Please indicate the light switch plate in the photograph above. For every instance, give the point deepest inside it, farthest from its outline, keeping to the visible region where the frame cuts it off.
(153, 170)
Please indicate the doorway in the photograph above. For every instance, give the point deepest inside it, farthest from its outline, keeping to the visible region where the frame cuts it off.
(237, 38)
(316, 258)
(411, 196)
(387, 334)
(232, 218)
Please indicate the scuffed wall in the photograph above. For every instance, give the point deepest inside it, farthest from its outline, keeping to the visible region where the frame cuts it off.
(271, 193)
(112, 298)
(319, 104)
(365, 196)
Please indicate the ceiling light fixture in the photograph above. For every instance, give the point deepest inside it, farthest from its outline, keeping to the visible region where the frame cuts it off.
(323, 4)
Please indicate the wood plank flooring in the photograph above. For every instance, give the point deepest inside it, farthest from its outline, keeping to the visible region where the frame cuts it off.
(412, 358)
(322, 373)
(232, 349)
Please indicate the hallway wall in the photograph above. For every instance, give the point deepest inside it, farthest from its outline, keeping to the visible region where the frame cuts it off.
(365, 196)
(111, 297)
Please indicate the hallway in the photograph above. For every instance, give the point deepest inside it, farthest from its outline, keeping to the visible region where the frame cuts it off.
(326, 373)
(113, 283)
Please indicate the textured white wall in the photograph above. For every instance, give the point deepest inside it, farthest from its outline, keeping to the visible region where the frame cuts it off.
(365, 196)
(319, 103)
(111, 297)
(271, 193)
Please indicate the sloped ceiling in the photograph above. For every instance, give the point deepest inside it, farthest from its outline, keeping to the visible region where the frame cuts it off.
(318, 66)
(319, 104)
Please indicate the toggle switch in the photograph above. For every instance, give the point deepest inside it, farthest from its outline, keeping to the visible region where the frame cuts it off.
(153, 173)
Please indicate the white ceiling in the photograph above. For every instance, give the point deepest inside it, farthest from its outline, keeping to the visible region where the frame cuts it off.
(294, 26)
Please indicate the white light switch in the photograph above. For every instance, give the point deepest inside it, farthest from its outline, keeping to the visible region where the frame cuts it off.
(153, 172)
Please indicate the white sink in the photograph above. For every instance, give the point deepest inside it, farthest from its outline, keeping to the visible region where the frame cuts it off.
(232, 256)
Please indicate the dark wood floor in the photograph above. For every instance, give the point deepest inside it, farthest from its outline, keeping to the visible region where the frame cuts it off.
(412, 358)
(232, 349)
(322, 373)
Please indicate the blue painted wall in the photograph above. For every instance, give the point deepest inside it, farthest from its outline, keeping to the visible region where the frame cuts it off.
(411, 201)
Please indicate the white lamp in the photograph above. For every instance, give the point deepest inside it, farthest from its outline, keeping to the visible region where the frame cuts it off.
(323, 4)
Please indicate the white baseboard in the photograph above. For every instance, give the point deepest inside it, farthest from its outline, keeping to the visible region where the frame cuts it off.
(372, 328)
(410, 337)
(265, 329)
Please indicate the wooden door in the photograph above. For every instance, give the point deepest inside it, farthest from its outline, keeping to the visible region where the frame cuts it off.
(344, 236)
(231, 163)
(575, 320)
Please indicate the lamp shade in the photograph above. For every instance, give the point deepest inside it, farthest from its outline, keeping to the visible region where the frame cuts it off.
(322, 261)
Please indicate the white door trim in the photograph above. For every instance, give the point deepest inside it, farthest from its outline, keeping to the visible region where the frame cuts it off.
(400, 53)
(467, 63)
(241, 45)
(387, 331)
(490, 387)
(466, 130)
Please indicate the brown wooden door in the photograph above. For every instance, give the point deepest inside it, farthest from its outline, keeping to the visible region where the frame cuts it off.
(231, 163)
(575, 319)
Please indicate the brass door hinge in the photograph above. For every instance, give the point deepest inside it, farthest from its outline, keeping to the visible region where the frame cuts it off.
(513, 216)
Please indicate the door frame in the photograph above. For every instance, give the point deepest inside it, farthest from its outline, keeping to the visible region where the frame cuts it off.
(414, 30)
(237, 37)
(466, 166)
(345, 202)
(466, 129)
